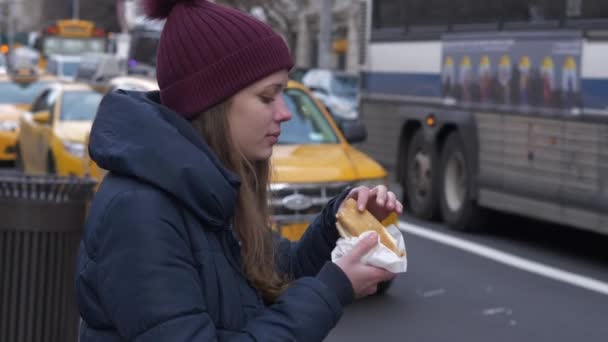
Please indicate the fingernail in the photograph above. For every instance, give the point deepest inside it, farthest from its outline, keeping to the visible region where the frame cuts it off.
(373, 236)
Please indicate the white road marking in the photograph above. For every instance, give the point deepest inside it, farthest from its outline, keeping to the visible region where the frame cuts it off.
(507, 259)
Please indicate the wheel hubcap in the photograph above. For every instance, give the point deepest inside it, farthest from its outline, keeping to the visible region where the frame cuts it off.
(421, 172)
(455, 182)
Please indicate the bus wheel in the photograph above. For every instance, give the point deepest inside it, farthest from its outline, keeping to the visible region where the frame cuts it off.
(51, 166)
(418, 184)
(458, 209)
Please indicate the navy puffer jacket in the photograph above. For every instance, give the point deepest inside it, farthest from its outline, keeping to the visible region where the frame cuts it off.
(158, 260)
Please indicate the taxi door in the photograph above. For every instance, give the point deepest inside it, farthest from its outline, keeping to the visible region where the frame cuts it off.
(33, 146)
(27, 142)
(44, 135)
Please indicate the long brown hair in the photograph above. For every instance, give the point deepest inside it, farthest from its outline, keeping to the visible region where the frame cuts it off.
(252, 219)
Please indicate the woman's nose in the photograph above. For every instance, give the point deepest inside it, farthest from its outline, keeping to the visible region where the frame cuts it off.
(282, 113)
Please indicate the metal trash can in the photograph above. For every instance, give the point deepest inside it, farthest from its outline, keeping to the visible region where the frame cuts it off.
(41, 221)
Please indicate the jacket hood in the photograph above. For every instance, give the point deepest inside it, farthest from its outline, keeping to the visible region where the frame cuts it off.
(134, 135)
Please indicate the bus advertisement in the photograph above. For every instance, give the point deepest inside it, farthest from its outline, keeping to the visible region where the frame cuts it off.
(501, 106)
(533, 71)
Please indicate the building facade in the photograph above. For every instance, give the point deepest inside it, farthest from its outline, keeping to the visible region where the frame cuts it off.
(348, 35)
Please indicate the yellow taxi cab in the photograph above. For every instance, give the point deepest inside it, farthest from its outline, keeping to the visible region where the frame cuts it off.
(315, 161)
(312, 162)
(18, 89)
(53, 132)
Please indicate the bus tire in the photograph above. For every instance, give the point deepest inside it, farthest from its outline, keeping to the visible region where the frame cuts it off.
(458, 208)
(419, 181)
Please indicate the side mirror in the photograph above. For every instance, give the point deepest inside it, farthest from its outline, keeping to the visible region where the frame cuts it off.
(354, 131)
(42, 117)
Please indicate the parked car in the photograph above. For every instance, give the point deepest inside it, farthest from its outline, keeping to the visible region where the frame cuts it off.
(52, 133)
(17, 91)
(338, 91)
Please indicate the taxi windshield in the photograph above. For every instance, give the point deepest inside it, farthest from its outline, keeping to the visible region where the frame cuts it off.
(17, 93)
(80, 105)
(308, 125)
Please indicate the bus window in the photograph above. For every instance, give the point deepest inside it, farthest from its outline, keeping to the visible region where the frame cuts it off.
(532, 10)
(428, 12)
(476, 11)
(587, 9)
(388, 14)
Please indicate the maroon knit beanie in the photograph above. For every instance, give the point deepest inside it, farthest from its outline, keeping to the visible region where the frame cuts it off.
(208, 52)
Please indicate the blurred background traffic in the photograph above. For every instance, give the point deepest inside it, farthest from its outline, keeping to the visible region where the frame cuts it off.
(488, 118)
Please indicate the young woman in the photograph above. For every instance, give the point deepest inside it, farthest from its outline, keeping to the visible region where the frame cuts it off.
(177, 245)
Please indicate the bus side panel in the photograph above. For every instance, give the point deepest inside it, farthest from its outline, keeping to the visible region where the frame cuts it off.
(546, 168)
(603, 167)
(584, 174)
(520, 157)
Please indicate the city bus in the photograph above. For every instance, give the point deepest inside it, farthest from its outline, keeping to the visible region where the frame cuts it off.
(72, 37)
(490, 104)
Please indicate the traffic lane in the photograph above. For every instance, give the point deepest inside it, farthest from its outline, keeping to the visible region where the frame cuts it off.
(452, 295)
(573, 250)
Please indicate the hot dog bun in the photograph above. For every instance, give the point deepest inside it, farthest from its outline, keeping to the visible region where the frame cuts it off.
(351, 223)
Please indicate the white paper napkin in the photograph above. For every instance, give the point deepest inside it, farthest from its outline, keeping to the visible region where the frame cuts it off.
(380, 255)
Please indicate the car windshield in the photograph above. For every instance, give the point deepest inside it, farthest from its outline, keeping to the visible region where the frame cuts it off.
(80, 105)
(18, 93)
(308, 125)
(344, 86)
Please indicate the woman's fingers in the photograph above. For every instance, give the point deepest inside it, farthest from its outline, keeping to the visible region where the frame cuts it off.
(391, 202)
(378, 200)
(381, 194)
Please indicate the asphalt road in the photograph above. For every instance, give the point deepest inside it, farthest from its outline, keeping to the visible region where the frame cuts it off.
(452, 293)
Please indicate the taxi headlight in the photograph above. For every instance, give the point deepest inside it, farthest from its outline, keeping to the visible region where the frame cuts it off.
(8, 126)
(75, 148)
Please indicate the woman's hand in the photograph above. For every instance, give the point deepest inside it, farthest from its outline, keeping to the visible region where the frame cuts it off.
(364, 278)
(379, 201)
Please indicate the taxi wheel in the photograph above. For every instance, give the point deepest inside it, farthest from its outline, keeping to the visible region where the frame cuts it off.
(51, 168)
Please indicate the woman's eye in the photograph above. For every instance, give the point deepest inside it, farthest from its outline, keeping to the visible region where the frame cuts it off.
(266, 99)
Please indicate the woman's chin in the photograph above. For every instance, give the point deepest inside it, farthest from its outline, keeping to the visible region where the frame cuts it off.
(262, 155)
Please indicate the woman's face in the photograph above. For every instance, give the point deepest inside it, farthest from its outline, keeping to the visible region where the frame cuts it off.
(255, 115)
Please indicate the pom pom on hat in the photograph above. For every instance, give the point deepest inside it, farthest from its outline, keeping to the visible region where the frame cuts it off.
(160, 9)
